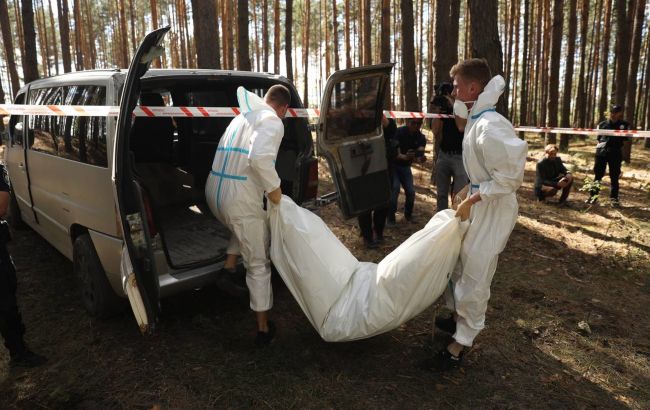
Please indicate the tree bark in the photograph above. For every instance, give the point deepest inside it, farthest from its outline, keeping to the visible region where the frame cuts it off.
(132, 19)
(484, 38)
(288, 46)
(64, 28)
(335, 36)
(602, 103)
(568, 76)
(367, 33)
(305, 51)
(55, 46)
(276, 37)
(328, 61)
(445, 55)
(265, 35)
(206, 34)
(409, 82)
(630, 101)
(554, 78)
(348, 51)
(384, 55)
(581, 97)
(90, 36)
(9, 48)
(30, 64)
(622, 52)
(243, 54)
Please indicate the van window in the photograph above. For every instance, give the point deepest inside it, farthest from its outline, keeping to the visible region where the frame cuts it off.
(16, 125)
(80, 139)
(359, 97)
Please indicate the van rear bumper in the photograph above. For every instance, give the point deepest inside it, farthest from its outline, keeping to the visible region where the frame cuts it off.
(172, 283)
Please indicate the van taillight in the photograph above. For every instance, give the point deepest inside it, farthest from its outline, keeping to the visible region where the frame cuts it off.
(147, 209)
(311, 190)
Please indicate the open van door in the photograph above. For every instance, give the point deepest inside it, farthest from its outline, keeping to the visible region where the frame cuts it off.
(350, 137)
(139, 271)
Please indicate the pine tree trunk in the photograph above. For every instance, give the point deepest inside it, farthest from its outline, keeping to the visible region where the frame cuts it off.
(230, 20)
(593, 65)
(367, 43)
(132, 24)
(630, 102)
(19, 20)
(420, 47)
(622, 48)
(430, 54)
(544, 83)
(523, 101)
(7, 40)
(90, 36)
(243, 55)
(581, 97)
(554, 78)
(384, 55)
(484, 38)
(205, 34)
(335, 36)
(276, 37)
(348, 51)
(30, 64)
(328, 61)
(445, 54)
(124, 36)
(409, 82)
(153, 6)
(515, 80)
(265, 35)
(305, 51)
(64, 28)
(568, 76)
(55, 46)
(288, 45)
(42, 38)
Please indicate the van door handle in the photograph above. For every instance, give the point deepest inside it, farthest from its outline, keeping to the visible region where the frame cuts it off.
(21, 166)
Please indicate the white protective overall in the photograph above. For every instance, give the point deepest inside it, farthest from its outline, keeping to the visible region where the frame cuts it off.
(494, 159)
(242, 170)
(345, 299)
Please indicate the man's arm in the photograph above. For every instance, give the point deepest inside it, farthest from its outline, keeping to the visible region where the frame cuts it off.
(265, 143)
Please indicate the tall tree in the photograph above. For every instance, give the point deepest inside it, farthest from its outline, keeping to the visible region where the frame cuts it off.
(30, 64)
(206, 34)
(484, 38)
(9, 48)
(409, 81)
(568, 75)
(630, 101)
(335, 36)
(64, 29)
(288, 46)
(581, 100)
(348, 51)
(276, 37)
(305, 50)
(328, 61)
(622, 51)
(243, 55)
(385, 41)
(366, 44)
(604, 65)
(265, 35)
(153, 6)
(554, 78)
(54, 42)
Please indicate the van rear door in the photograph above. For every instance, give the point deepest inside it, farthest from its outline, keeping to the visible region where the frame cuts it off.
(142, 284)
(350, 137)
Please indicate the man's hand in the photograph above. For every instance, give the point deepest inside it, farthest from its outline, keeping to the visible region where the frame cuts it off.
(275, 196)
(464, 209)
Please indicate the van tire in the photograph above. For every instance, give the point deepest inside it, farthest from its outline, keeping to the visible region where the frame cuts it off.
(13, 213)
(97, 295)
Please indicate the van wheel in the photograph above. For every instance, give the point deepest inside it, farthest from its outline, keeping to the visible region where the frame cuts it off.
(97, 295)
(13, 214)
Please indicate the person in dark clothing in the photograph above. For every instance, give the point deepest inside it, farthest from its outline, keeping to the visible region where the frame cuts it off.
(448, 173)
(11, 323)
(552, 176)
(411, 143)
(609, 153)
(372, 222)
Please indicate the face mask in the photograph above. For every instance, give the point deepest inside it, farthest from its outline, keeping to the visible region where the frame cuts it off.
(460, 108)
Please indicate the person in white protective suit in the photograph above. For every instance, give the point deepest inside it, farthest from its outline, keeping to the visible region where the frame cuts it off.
(494, 159)
(242, 171)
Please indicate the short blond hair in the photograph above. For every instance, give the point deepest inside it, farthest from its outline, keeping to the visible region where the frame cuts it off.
(473, 69)
(551, 147)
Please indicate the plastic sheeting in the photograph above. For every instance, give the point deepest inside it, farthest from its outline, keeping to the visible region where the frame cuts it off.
(345, 299)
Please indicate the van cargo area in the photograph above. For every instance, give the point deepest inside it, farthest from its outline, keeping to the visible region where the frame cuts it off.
(172, 158)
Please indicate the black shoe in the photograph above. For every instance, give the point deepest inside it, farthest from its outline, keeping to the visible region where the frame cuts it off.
(390, 221)
(232, 283)
(27, 359)
(379, 240)
(445, 361)
(370, 244)
(265, 338)
(446, 324)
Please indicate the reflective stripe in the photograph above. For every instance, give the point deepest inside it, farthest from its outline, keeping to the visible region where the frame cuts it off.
(472, 187)
(483, 112)
(233, 149)
(223, 168)
(246, 99)
(226, 176)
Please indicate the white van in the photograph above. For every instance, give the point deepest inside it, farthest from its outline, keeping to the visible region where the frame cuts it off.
(90, 185)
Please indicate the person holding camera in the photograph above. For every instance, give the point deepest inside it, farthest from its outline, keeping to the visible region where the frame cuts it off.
(448, 173)
(552, 176)
(11, 323)
(411, 143)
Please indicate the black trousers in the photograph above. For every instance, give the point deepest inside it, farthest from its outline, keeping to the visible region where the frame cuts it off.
(11, 324)
(613, 160)
(376, 217)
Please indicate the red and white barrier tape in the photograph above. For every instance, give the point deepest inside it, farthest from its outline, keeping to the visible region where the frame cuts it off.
(208, 112)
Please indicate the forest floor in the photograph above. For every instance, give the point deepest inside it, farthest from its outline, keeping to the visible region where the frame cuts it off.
(562, 266)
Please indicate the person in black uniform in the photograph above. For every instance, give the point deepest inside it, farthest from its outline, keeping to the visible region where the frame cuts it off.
(609, 152)
(11, 323)
(373, 236)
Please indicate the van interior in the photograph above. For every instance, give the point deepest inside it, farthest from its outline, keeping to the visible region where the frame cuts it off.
(172, 158)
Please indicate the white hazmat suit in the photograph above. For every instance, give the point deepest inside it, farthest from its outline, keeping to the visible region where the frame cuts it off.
(242, 170)
(494, 159)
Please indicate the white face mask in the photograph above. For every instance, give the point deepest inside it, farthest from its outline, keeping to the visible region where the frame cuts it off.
(460, 108)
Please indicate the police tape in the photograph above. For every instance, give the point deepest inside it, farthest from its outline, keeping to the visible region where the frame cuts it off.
(209, 112)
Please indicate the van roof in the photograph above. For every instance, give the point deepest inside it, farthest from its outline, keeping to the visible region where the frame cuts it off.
(152, 73)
